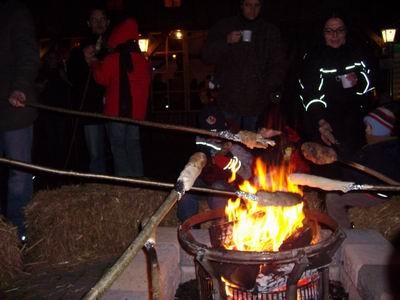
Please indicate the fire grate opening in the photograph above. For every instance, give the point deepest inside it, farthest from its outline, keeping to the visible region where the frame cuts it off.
(311, 290)
(290, 273)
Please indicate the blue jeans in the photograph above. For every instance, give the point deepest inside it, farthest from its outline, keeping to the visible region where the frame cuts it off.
(95, 136)
(189, 204)
(17, 145)
(243, 122)
(126, 150)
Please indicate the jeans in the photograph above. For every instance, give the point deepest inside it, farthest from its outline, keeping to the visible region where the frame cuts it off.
(243, 122)
(17, 145)
(189, 204)
(95, 136)
(126, 150)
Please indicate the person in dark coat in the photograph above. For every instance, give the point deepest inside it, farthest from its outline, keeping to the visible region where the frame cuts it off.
(87, 94)
(125, 73)
(19, 64)
(249, 57)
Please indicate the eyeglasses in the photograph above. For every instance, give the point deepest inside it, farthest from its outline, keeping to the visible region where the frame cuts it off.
(331, 31)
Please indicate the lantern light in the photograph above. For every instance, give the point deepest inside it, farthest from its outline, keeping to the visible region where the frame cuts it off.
(388, 35)
(143, 44)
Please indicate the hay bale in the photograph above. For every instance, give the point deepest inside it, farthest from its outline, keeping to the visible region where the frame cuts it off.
(75, 223)
(10, 253)
(384, 217)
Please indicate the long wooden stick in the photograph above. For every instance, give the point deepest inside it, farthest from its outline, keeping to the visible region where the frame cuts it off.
(112, 274)
(322, 155)
(262, 197)
(259, 140)
(328, 184)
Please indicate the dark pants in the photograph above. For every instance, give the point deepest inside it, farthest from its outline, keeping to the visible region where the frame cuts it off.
(17, 145)
(126, 149)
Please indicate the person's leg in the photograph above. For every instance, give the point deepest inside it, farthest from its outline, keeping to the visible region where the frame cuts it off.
(116, 134)
(134, 150)
(337, 204)
(17, 145)
(95, 140)
(214, 201)
(188, 206)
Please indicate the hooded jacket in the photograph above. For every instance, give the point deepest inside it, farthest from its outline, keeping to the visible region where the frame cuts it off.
(107, 73)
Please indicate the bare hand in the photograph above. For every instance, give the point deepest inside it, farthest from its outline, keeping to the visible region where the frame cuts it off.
(17, 99)
(325, 130)
(233, 37)
(268, 133)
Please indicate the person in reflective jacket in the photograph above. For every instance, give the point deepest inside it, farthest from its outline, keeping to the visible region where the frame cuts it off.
(335, 88)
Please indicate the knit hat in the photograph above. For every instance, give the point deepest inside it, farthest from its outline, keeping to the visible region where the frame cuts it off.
(211, 118)
(381, 120)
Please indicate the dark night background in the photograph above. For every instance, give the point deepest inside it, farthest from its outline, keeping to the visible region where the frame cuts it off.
(297, 19)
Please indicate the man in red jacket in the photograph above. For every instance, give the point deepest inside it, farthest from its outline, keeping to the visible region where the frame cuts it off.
(125, 73)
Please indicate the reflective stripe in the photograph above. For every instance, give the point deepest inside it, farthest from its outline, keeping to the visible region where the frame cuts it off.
(301, 84)
(320, 84)
(233, 165)
(322, 70)
(316, 101)
(209, 145)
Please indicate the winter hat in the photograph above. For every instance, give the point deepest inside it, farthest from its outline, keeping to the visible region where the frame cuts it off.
(381, 121)
(211, 118)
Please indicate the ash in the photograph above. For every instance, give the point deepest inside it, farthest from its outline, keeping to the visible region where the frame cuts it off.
(189, 291)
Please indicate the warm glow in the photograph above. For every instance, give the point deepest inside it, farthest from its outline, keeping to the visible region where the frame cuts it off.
(260, 228)
(388, 35)
(144, 45)
(178, 34)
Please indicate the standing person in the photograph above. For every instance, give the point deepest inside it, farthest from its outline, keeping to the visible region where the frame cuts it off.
(88, 94)
(19, 64)
(125, 73)
(336, 84)
(249, 57)
(53, 89)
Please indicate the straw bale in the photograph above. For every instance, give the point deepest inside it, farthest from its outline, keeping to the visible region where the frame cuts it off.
(10, 253)
(80, 222)
(384, 217)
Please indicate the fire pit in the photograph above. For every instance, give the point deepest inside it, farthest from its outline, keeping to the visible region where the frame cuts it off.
(298, 270)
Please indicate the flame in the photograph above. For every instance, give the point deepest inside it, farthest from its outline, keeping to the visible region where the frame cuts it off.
(263, 228)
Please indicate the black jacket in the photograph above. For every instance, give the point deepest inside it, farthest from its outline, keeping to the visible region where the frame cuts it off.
(247, 72)
(323, 96)
(19, 63)
(382, 157)
(87, 95)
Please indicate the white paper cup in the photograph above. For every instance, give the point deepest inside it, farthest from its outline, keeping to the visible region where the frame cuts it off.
(346, 82)
(246, 35)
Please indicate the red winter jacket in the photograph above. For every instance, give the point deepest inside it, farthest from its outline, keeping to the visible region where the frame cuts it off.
(107, 73)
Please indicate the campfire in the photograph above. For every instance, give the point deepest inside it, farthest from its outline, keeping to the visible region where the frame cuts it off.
(263, 228)
(263, 252)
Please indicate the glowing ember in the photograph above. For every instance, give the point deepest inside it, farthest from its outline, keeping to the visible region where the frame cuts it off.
(261, 228)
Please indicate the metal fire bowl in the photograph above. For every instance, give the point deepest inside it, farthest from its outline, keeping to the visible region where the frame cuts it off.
(231, 263)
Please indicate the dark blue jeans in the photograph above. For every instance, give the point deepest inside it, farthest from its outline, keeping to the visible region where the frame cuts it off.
(95, 136)
(126, 149)
(17, 145)
(189, 204)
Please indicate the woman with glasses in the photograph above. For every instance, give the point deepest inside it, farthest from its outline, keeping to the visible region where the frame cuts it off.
(336, 88)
